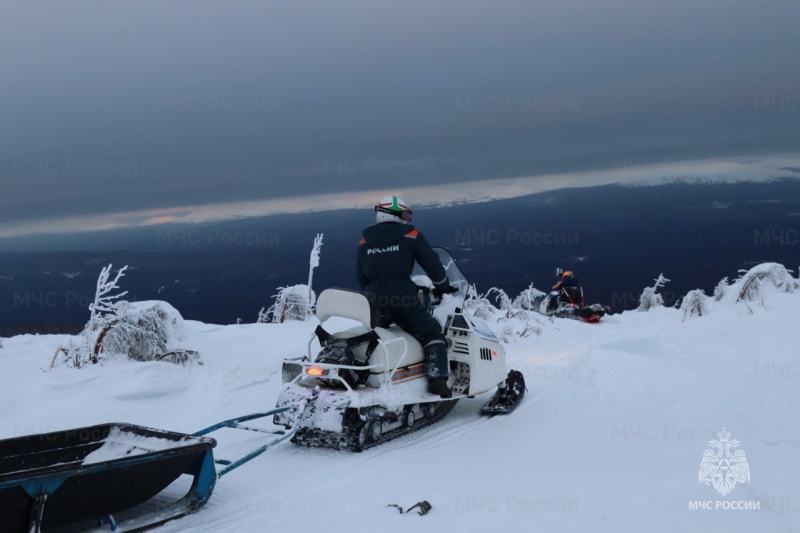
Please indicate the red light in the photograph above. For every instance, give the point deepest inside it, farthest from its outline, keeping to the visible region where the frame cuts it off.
(315, 371)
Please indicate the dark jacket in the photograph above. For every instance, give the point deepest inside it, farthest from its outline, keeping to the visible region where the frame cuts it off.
(568, 280)
(386, 255)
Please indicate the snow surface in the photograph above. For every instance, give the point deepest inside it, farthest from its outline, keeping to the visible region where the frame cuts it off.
(121, 444)
(609, 438)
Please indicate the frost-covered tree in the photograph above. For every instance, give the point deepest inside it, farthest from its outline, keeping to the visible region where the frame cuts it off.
(291, 303)
(139, 330)
(721, 289)
(694, 303)
(313, 263)
(521, 324)
(504, 301)
(513, 319)
(481, 305)
(753, 282)
(145, 331)
(102, 314)
(650, 297)
(526, 299)
(295, 302)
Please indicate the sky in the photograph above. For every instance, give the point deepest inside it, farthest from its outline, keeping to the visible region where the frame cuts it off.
(115, 113)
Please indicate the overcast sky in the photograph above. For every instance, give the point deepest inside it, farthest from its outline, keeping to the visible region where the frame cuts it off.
(131, 106)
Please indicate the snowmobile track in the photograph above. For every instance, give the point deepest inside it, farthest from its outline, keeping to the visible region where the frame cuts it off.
(349, 439)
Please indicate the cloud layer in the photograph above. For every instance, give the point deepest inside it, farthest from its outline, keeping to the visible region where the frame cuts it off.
(165, 106)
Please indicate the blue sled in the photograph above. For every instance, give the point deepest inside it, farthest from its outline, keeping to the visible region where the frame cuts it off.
(51, 480)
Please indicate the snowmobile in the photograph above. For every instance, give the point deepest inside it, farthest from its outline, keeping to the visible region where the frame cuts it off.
(571, 307)
(368, 383)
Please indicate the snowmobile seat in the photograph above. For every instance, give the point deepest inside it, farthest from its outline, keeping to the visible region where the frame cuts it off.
(413, 352)
(402, 353)
(396, 348)
(346, 303)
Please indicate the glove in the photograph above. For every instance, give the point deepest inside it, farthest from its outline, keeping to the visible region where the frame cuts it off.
(447, 290)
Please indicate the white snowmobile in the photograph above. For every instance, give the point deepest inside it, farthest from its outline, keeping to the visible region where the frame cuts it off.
(368, 383)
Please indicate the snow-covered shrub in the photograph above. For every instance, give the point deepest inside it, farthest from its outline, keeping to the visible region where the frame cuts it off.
(295, 302)
(481, 306)
(753, 283)
(142, 331)
(527, 298)
(721, 289)
(504, 301)
(520, 324)
(102, 311)
(650, 297)
(509, 319)
(694, 303)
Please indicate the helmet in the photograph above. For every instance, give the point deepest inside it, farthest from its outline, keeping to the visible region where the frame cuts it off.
(559, 272)
(392, 209)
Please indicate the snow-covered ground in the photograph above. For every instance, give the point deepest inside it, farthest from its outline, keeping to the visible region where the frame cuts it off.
(610, 436)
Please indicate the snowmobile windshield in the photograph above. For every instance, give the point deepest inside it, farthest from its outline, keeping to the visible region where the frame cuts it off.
(455, 276)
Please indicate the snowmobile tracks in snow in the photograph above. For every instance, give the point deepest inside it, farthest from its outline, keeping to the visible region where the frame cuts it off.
(359, 435)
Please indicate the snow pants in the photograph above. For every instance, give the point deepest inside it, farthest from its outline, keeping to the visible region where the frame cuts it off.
(399, 302)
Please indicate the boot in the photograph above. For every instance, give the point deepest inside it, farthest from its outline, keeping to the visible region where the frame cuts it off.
(439, 386)
(438, 369)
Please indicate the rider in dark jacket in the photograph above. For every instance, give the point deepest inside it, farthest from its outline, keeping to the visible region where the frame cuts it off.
(387, 252)
(568, 287)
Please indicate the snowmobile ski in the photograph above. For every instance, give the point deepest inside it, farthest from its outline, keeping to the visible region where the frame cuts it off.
(507, 398)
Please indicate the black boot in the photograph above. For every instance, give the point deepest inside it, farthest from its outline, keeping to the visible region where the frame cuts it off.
(438, 369)
(439, 386)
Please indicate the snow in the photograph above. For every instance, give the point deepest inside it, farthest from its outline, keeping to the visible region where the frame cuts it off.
(121, 444)
(609, 438)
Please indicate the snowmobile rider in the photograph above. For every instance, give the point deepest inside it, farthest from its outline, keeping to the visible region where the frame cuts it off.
(386, 255)
(568, 287)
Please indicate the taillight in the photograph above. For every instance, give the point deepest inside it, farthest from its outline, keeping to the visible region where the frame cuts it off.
(316, 371)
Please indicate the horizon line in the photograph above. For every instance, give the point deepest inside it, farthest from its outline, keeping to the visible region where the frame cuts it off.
(746, 169)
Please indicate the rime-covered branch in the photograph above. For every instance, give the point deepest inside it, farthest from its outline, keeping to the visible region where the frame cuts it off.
(313, 262)
(103, 301)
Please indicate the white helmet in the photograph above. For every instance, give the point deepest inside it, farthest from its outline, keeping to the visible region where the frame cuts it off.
(392, 209)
